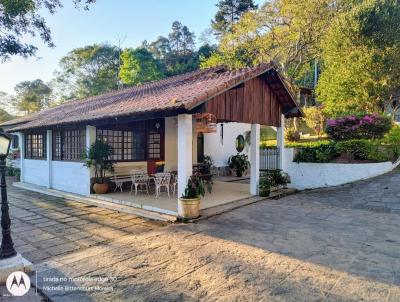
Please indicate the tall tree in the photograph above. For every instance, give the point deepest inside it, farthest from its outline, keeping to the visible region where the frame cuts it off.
(177, 52)
(360, 72)
(22, 18)
(31, 96)
(287, 31)
(229, 12)
(5, 116)
(160, 48)
(139, 66)
(88, 71)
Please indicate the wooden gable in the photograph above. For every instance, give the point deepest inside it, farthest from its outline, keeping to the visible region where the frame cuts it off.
(253, 102)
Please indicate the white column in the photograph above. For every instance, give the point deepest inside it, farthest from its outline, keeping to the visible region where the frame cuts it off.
(90, 139)
(280, 142)
(49, 157)
(185, 154)
(21, 139)
(255, 158)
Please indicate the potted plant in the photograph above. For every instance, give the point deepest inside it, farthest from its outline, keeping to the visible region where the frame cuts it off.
(239, 163)
(189, 203)
(278, 179)
(264, 187)
(98, 156)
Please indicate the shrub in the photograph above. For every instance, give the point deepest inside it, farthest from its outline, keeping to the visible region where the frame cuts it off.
(356, 149)
(367, 126)
(292, 135)
(264, 187)
(319, 154)
(362, 149)
(277, 177)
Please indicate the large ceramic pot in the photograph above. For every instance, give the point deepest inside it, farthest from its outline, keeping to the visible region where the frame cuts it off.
(100, 188)
(189, 208)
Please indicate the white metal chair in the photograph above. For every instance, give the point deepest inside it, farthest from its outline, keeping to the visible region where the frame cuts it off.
(139, 179)
(119, 181)
(162, 180)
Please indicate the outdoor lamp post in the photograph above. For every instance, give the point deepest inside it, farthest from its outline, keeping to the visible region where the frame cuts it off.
(7, 246)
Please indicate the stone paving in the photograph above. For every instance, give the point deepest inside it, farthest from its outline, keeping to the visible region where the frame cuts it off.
(324, 245)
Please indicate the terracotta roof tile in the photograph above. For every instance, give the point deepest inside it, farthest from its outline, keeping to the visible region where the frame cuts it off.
(184, 92)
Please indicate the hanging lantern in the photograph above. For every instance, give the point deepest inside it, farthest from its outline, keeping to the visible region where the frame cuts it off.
(205, 123)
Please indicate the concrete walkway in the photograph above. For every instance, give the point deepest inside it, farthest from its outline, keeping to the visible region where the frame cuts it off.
(325, 245)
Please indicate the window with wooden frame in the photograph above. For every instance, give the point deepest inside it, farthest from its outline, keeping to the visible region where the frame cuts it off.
(69, 145)
(35, 146)
(137, 141)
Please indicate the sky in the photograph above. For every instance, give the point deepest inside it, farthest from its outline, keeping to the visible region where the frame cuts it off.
(130, 21)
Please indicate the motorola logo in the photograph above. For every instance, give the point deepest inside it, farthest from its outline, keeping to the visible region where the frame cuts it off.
(18, 283)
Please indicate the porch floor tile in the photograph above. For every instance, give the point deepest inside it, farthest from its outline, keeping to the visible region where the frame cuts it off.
(223, 192)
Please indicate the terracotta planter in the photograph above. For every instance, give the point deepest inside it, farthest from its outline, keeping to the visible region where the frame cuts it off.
(189, 208)
(100, 188)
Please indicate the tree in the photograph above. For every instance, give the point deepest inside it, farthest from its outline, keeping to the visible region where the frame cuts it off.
(20, 19)
(139, 66)
(160, 48)
(5, 116)
(177, 52)
(358, 74)
(229, 12)
(88, 71)
(286, 31)
(314, 119)
(31, 96)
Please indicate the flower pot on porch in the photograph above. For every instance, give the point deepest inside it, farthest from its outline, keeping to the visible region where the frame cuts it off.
(189, 207)
(100, 188)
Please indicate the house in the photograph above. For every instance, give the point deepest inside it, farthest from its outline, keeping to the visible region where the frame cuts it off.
(155, 122)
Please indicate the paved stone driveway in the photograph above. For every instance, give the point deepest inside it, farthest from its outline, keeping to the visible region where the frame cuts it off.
(325, 245)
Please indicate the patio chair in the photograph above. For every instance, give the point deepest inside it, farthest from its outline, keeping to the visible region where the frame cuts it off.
(162, 180)
(139, 179)
(119, 181)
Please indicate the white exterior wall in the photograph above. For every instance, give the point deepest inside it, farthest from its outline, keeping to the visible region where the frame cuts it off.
(70, 177)
(221, 151)
(171, 144)
(318, 175)
(35, 172)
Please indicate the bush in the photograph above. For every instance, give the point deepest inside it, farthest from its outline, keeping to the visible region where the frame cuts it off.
(319, 154)
(292, 135)
(366, 126)
(277, 178)
(300, 144)
(362, 149)
(12, 171)
(393, 136)
(356, 149)
(264, 187)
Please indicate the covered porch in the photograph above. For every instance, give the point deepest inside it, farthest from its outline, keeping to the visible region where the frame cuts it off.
(223, 193)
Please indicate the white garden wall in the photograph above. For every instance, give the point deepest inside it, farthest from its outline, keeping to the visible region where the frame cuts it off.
(36, 172)
(318, 175)
(70, 177)
(221, 148)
